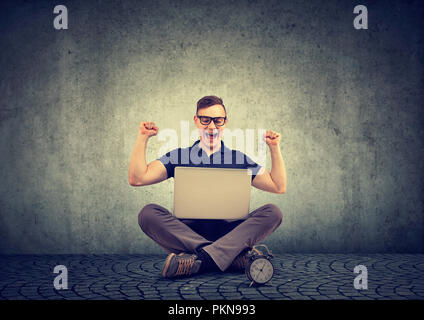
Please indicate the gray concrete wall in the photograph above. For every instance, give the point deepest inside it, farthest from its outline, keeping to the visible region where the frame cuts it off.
(347, 102)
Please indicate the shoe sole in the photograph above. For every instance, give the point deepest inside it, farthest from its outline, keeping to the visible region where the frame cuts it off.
(167, 263)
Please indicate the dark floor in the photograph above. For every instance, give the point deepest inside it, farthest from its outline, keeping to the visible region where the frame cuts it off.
(297, 276)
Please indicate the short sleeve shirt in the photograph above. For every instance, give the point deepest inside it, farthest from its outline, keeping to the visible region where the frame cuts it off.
(195, 156)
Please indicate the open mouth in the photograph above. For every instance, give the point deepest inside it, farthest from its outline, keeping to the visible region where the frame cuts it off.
(211, 135)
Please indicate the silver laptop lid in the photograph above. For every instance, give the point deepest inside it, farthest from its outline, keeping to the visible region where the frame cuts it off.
(211, 193)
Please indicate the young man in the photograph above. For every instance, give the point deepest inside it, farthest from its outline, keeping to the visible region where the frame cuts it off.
(205, 245)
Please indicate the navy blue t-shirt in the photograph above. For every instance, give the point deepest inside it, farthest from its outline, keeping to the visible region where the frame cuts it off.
(195, 156)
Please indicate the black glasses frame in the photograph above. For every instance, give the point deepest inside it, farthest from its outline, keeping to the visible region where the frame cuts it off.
(209, 119)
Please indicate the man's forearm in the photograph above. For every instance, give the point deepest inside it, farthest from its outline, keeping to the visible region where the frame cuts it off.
(278, 168)
(138, 164)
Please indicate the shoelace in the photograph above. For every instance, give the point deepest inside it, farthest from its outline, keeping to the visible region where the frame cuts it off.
(241, 261)
(185, 266)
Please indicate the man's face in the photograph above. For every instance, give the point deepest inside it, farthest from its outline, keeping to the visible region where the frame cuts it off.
(210, 134)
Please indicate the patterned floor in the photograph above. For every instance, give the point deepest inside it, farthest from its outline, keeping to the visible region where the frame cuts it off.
(297, 276)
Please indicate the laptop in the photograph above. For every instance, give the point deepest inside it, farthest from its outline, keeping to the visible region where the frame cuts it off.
(211, 193)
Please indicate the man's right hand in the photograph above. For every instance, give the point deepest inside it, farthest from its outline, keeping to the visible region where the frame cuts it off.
(148, 129)
(140, 173)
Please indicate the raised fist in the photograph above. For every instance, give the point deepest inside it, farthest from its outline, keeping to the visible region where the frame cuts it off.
(272, 138)
(148, 129)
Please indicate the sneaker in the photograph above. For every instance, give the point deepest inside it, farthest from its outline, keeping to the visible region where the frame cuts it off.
(240, 262)
(183, 264)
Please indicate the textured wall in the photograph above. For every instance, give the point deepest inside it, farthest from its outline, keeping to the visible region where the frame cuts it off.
(347, 102)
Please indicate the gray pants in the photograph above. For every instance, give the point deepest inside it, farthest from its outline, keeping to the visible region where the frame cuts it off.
(223, 240)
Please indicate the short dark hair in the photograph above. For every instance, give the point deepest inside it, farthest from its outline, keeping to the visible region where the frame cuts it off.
(209, 101)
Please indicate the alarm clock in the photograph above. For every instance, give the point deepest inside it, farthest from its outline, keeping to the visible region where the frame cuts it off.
(259, 269)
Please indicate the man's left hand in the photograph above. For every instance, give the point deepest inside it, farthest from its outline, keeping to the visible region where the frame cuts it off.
(272, 138)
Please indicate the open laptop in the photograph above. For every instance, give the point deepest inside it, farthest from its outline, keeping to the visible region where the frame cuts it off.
(211, 193)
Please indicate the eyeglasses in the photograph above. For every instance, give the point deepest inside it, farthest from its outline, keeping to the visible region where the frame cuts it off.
(219, 121)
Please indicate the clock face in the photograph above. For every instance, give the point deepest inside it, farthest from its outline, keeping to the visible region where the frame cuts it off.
(261, 270)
